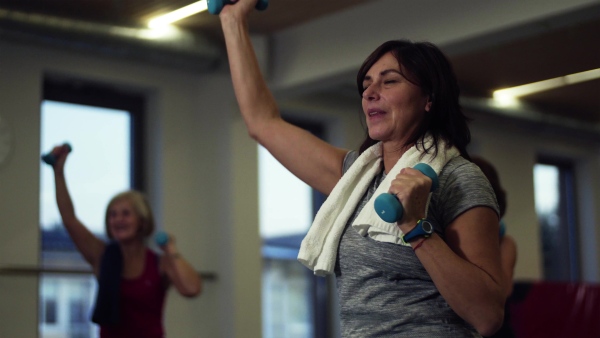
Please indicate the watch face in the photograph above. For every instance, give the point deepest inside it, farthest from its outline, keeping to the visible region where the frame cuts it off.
(427, 226)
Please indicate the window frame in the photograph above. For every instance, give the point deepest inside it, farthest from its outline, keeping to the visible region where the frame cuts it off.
(101, 95)
(569, 225)
(106, 96)
(320, 293)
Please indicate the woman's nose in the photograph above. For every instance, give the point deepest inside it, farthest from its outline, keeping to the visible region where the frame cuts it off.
(371, 92)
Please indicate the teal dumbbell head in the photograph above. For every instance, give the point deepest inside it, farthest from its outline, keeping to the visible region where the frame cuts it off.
(161, 238)
(387, 205)
(215, 6)
(50, 159)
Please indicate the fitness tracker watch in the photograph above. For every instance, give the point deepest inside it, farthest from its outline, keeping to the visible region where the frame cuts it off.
(424, 228)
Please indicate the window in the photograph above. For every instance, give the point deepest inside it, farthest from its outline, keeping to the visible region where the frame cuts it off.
(556, 209)
(48, 304)
(295, 302)
(102, 126)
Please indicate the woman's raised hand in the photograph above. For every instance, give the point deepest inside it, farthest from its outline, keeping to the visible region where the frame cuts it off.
(239, 9)
(60, 154)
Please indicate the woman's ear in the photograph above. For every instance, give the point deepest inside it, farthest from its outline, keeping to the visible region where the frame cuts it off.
(428, 105)
(430, 99)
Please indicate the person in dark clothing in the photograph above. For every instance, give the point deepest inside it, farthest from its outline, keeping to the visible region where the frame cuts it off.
(508, 245)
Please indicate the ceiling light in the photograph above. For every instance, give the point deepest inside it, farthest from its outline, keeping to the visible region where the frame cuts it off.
(178, 14)
(508, 96)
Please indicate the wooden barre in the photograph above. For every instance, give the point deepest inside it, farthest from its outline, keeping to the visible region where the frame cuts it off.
(32, 270)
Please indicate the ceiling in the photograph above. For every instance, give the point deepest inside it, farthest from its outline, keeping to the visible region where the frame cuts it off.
(569, 46)
(281, 13)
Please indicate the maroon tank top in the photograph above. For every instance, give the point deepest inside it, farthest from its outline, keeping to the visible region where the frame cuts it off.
(141, 304)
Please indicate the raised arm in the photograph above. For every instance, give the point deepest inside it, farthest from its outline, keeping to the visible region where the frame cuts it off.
(314, 161)
(180, 273)
(90, 246)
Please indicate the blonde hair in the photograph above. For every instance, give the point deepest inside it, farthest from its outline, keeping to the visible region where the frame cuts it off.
(141, 207)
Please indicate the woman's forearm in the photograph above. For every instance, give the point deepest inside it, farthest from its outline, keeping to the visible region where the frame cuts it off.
(465, 267)
(474, 294)
(63, 199)
(181, 273)
(87, 243)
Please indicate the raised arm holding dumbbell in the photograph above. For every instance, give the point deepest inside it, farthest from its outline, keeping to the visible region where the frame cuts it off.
(132, 280)
(447, 283)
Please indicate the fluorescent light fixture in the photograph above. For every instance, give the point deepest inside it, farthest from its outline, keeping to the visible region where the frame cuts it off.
(178, 14)
(509, 96)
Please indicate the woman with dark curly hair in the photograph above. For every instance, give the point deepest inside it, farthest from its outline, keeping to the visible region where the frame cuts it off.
(436, 271)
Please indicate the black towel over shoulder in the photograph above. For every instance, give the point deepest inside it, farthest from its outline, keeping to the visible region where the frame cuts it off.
(106, 310)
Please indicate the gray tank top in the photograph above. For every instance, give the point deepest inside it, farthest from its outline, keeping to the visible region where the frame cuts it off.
(383, 289)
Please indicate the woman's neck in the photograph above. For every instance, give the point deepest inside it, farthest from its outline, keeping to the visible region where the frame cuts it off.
(134, 258)
(392, 152)
(132, 249)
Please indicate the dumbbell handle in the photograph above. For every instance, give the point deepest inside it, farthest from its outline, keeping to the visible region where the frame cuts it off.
(215, 6)
(50, 158)
(161, 238)
(387, 205)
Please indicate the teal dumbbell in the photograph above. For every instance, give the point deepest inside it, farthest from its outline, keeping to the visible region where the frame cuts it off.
(161, 238)
(215, 6)
(50, 158)
(387, 205)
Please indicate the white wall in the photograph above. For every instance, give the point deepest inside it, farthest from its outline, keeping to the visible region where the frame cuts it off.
(513, 147)
(19, 197)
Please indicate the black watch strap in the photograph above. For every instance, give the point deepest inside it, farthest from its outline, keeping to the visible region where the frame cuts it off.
(424, 228)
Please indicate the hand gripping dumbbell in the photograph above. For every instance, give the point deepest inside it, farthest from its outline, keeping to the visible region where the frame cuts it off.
(161, 238)
(387, 205)
(215, 6)
(50, 158)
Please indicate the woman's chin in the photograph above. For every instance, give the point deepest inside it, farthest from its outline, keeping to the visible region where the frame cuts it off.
(124, 237)
(379, 134)
(376, 136)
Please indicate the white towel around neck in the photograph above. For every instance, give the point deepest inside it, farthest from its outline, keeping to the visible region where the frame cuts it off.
(318, 250)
